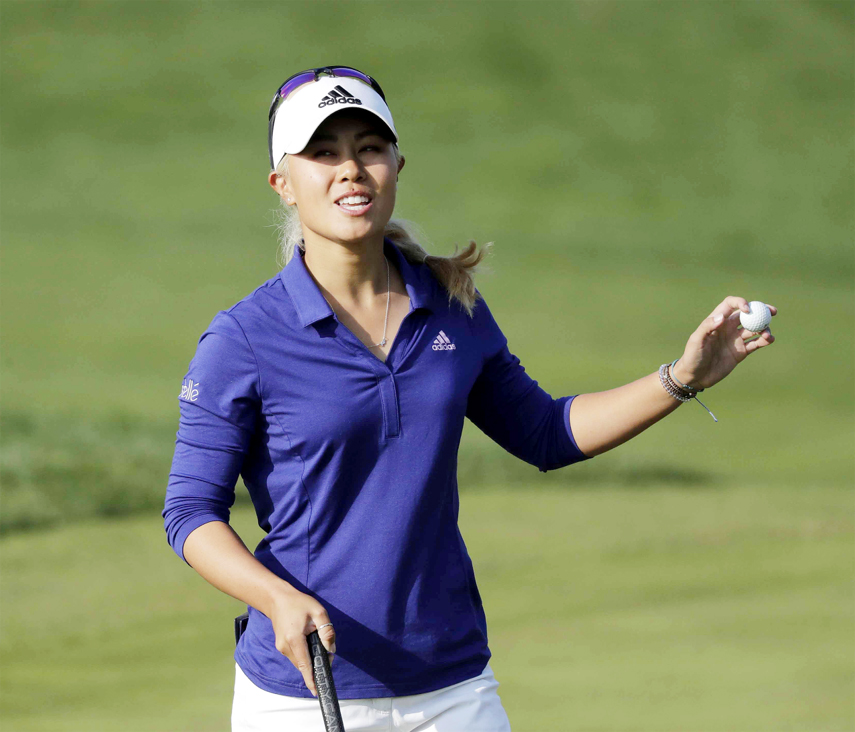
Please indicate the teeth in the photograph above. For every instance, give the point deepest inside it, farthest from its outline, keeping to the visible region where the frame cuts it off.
(354, 200)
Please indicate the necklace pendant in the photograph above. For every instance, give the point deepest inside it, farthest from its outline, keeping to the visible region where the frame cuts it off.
(382, 343)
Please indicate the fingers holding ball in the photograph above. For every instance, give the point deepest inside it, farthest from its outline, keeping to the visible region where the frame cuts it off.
(758, 317)
(764, 339)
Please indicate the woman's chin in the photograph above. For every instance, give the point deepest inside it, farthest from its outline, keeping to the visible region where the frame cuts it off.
(355, 235)
(359, 230)
(351, 229)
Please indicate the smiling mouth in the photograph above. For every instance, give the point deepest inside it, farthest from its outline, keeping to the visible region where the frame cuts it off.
(355, 204)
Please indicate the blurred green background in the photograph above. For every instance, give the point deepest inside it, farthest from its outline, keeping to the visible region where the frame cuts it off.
(634, 163)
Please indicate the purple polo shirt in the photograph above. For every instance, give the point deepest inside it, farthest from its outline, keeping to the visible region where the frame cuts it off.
(351, 463)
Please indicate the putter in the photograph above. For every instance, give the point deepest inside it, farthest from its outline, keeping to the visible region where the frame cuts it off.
(322, 672)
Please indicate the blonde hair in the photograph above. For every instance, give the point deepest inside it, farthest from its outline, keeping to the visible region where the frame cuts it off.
(454, 273)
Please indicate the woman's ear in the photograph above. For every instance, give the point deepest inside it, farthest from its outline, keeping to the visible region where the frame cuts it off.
(401, 161)
(279, 184)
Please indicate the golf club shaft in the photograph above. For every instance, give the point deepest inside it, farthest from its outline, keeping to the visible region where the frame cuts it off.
(324, 682)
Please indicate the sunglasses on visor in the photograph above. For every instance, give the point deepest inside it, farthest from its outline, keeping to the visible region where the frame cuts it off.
(304, 77)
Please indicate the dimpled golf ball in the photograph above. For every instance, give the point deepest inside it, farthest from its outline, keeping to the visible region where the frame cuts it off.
(758, 319)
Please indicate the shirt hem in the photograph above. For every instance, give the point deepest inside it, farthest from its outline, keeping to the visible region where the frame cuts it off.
(370, 691)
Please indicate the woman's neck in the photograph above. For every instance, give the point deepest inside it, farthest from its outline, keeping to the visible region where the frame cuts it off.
(349, 275)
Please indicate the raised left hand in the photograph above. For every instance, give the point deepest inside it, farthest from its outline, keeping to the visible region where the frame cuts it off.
(719, 344)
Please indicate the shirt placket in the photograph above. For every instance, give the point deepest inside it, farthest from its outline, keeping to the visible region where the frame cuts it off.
(384, 372)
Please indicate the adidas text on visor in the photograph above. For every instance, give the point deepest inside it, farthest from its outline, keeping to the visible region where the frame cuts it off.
(303, 111)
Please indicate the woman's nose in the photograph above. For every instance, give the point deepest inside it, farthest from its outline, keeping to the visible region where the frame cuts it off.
(351, 169)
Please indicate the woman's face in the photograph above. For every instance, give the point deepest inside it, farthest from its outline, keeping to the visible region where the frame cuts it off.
(345, 180)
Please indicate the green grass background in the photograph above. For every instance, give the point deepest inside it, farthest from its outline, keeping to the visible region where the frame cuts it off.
(634, 163)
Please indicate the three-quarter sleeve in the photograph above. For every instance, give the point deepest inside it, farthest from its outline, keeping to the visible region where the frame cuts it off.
(219, 402)
(512, 409)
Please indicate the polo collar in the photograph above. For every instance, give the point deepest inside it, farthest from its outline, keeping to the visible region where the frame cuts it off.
(311, 305)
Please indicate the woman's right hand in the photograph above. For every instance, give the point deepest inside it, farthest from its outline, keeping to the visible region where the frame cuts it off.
(294, 615)
(217, 553)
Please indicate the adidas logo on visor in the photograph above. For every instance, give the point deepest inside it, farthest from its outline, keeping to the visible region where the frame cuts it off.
(339, 95)
(443, 343)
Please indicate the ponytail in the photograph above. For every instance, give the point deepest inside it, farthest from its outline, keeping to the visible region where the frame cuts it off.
(454, 273)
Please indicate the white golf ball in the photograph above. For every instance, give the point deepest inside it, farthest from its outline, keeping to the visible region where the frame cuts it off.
(758, 319)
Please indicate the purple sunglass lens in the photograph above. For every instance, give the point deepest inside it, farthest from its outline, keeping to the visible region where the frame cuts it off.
(353, 74)
(292, 84)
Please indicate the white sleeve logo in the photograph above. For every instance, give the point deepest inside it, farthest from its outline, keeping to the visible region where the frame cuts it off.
(189, 391)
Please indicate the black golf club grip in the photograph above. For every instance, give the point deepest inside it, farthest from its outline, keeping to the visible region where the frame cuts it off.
(322, 672)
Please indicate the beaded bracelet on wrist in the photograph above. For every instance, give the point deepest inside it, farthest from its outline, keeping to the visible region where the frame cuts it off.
(685, 387)
(681, 392)
(669, 386)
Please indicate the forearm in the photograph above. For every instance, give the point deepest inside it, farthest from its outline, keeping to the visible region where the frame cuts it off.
(606, 419)
(219, 555)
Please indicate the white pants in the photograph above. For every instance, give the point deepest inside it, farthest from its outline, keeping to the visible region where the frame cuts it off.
(470, 706)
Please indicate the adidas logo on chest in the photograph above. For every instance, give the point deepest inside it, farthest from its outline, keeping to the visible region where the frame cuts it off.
(443, 343)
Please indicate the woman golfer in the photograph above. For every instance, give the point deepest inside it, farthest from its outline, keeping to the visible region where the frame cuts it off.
(338, 391)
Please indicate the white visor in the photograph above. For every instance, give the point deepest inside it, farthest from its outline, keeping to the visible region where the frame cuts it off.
(305, 109)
